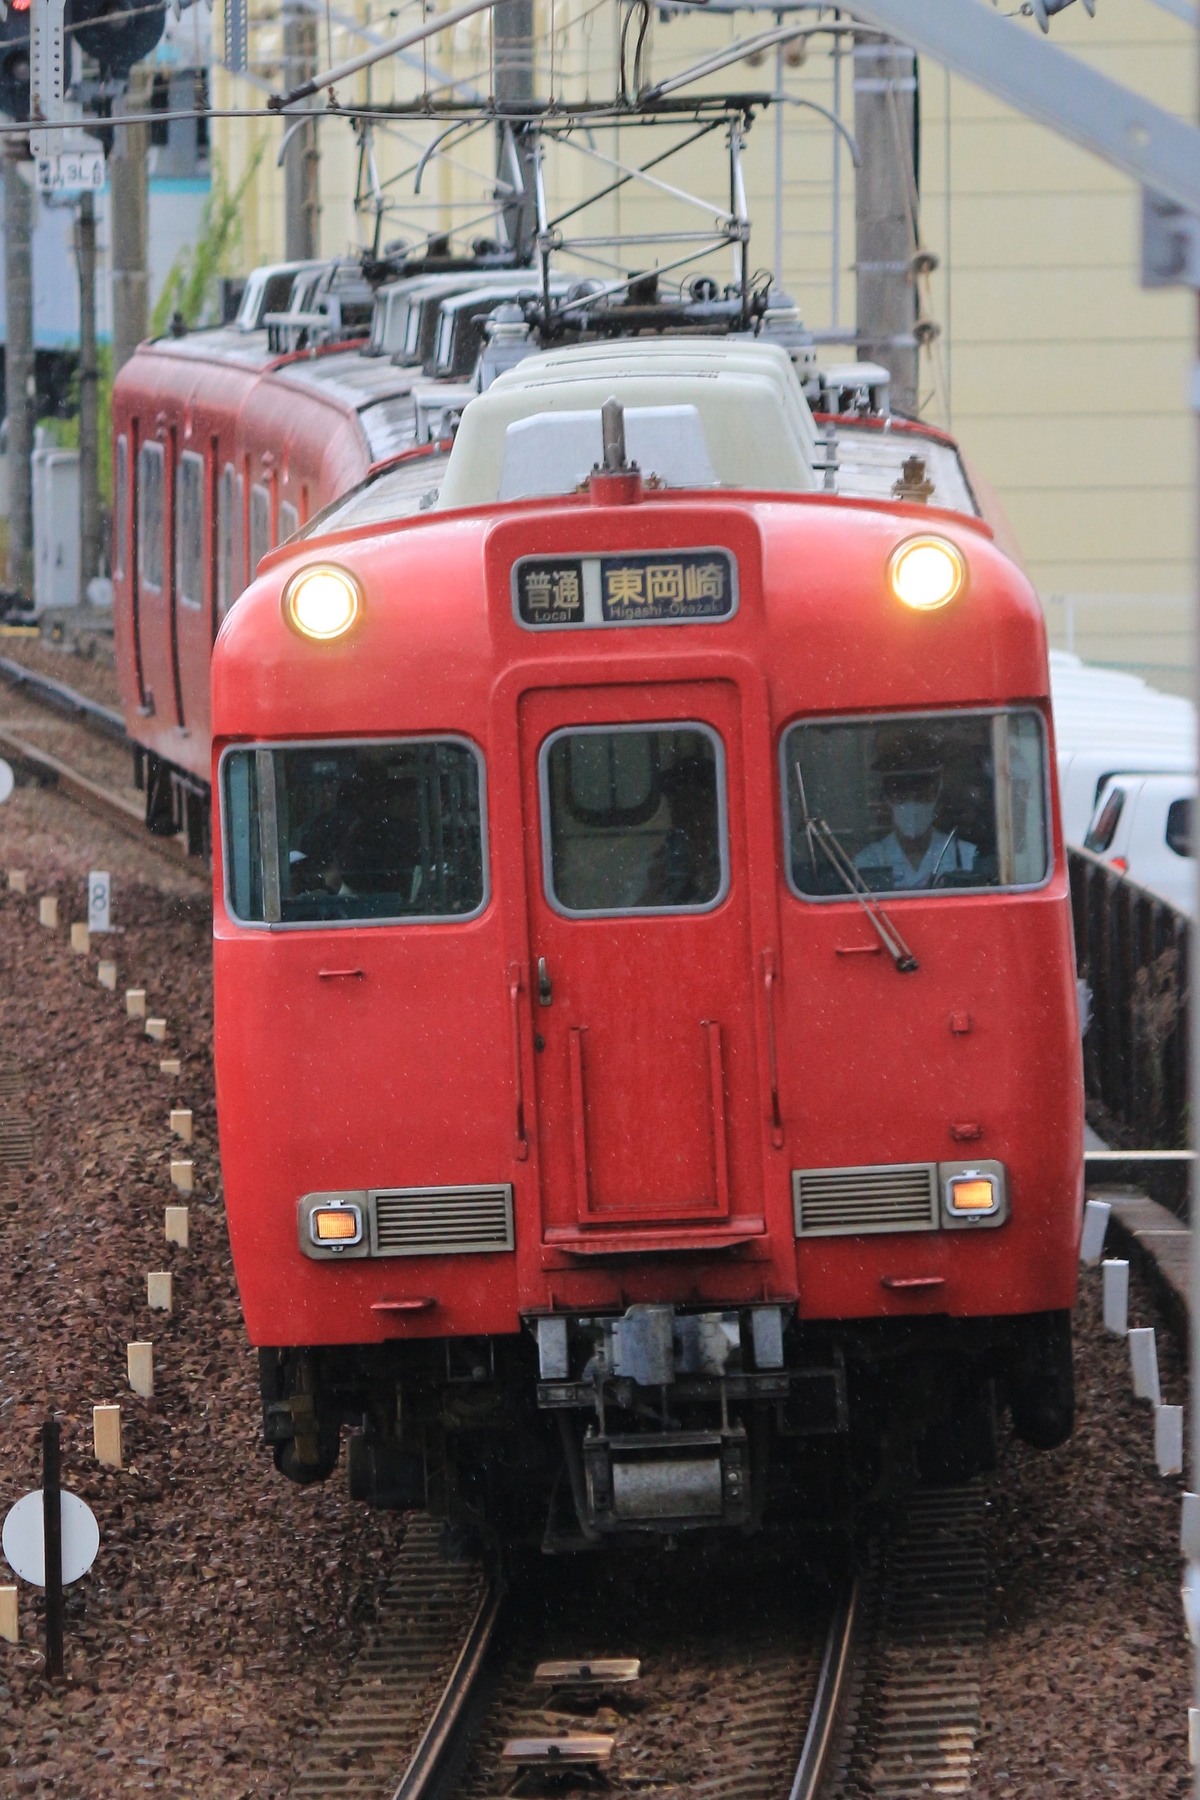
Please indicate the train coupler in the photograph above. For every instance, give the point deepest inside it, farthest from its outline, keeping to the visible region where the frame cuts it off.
(667, 1481)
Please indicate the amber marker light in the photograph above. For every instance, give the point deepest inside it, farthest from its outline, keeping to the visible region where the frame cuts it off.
(335, 1225)
(322, 602)
(926, 572)
(973, 1194)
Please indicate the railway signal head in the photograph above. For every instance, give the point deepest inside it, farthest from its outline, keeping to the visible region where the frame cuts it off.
(14, 62)
(115, 34)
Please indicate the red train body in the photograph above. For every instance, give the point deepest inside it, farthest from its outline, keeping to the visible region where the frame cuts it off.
(647, 1056)
(222, 450)
(641, 1146)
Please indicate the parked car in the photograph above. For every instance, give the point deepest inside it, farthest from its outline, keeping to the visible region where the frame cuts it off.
(1109, 724)
(1144, 826)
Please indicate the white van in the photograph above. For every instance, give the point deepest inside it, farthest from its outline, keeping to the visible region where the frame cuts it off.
(1108, 723)
(1143, 826)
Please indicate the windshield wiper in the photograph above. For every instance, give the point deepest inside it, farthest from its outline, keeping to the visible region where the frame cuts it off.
(818, 831)
(933, 874)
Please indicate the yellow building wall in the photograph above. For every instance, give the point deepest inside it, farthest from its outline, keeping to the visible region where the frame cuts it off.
(1064, 379)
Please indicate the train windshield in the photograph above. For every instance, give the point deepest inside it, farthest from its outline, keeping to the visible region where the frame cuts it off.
(917, 804)
(633, 819)
(338, 833)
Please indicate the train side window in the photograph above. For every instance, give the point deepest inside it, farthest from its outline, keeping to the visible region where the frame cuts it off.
(230, 564)
(150, 516)
(189, 529)
(328, 834)
(289, 521)
(1104, 830)
(633, 819)
(916, 804)
(260, 526)
(1179, 828)
(120, 507)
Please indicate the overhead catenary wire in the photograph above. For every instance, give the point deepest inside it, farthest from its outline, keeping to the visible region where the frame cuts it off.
(406, 39)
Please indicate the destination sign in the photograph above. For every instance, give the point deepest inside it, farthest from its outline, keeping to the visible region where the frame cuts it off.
(661, 587)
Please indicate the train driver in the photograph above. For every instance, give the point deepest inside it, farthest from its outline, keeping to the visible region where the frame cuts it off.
(916, 852)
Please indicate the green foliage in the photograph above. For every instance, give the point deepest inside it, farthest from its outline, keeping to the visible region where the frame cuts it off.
(191, 284)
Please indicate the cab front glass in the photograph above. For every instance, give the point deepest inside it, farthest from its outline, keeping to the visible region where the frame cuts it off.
(342, 833)
(918, 803)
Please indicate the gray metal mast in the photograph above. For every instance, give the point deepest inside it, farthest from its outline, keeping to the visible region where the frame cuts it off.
(513, 41)
(19, 378)
(300, 161)
(884, 93)
(128, 227)
(89, 412)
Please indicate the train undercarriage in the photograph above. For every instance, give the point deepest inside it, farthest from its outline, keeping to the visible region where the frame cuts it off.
(583, 1431)
(176, 802)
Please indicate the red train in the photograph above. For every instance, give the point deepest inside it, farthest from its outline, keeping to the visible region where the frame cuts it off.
(647, 1055)
(227, 441)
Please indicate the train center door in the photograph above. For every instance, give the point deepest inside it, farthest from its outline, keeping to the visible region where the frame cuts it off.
(640, 960)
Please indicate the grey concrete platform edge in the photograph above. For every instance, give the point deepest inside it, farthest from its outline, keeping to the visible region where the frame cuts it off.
(1155, 1238)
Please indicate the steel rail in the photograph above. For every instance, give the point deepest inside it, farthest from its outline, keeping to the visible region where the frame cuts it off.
(431, 1758)
(821, 1737)
(106, 717)
(113, 808)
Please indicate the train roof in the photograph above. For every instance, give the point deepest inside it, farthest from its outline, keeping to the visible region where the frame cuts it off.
(738, 410)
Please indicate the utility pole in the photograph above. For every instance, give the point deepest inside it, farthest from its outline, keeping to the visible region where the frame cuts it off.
(885, 82)
(512, 36)
(301, 197)
(89, 412)
(20, 384)
(128, 228)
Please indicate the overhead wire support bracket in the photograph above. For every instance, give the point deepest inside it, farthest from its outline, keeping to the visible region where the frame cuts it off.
(1050, 85)
(391, 47)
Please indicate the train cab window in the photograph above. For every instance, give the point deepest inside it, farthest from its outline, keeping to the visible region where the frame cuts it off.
(633, 819)
(289, 521)
(260, 526)
(1102, 833)
(1179, 828)
(918, 804)
(231, 569)
(189, 529)
(120, 507)
(326, 834)
(150, 516)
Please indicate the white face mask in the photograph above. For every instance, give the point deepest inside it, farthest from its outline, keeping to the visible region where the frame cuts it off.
(913, 818)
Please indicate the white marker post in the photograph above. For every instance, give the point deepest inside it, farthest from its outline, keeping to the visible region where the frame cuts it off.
(99, 900)
(1095, 1225)
(1143, 1358)
(160, 1291)
(1168, 1439)
(1189, 1529)
(140, 1361)
(1116, 1297)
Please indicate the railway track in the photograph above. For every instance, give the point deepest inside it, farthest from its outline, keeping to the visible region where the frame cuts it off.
(758, 1681)
(92, 716)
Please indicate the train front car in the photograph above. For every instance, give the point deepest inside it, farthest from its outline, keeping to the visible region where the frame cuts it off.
(647, 1053)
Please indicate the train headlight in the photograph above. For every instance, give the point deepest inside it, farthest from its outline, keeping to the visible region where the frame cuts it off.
(322, 603)
(336, 1227)
(926, 572)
